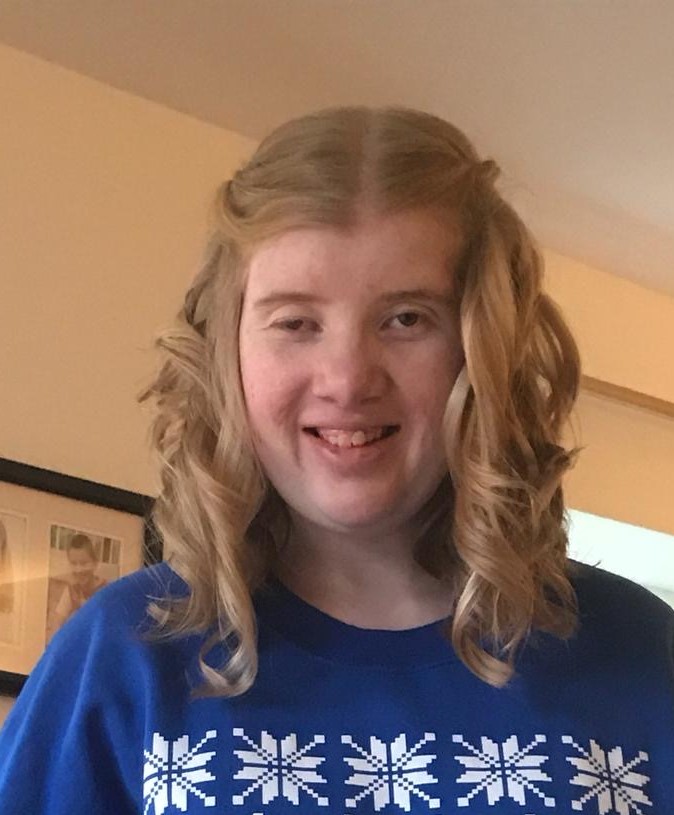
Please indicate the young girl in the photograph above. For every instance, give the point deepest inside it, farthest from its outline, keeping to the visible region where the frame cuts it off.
(368, 606)
(82, 583)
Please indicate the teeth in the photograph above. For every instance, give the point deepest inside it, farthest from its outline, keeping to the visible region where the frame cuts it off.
(347, 438)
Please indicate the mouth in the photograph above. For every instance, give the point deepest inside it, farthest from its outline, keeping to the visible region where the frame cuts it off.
(345, 439)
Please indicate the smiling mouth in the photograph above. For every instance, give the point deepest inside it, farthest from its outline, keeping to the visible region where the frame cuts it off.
(352, 438)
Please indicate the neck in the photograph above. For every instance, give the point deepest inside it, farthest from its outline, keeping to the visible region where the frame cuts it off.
(366, 581)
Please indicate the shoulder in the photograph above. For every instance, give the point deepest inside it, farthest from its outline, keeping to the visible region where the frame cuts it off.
(113, 623)
(93, 688)
(616, 610)
(150, 583)
(602, 592)
(125, 601)
(105, 649)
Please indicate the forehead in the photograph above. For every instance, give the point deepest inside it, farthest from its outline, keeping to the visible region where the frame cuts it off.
(79, 554)
(418, 247)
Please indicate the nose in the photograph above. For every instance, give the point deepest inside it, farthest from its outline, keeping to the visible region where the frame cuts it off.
(350, 371)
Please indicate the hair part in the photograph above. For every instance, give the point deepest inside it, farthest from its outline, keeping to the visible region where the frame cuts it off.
(496, 530)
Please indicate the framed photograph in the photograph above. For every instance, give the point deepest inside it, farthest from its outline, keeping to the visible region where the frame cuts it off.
(61, 540)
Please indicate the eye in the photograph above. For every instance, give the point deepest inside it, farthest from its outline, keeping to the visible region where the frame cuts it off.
(407, 319)
(296, 325)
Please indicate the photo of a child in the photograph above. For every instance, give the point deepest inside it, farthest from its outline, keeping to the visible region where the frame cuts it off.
(80, 565)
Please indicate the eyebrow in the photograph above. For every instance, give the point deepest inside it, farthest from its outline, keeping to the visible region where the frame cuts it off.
(440, 298)
(280, 298)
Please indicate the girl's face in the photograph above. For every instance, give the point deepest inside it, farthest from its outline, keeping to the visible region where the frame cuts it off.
(349, 348)
(82, 566)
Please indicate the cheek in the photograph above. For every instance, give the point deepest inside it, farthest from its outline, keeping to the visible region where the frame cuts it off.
(427, 381)
(257, 378)
(271, 392)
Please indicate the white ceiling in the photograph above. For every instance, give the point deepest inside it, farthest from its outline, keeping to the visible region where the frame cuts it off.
(574, 98)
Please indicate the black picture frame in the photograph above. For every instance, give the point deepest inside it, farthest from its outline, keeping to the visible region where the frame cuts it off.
(90, 492)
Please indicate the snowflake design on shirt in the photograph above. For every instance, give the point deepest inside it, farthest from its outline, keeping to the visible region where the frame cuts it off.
(279, 768)
(503, 769)
(609, 779)
(173, 771)
(397, 776)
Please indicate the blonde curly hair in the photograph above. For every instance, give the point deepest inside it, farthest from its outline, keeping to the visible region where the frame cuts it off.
(499, 531)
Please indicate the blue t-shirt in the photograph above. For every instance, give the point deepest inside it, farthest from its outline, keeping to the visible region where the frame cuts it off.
(346, 720)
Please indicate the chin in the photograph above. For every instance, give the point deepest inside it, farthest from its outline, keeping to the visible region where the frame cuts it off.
(356, 515)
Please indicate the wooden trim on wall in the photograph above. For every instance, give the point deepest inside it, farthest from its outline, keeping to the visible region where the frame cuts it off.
(628, 396)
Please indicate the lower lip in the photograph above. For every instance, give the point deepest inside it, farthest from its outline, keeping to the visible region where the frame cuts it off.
(352, 457)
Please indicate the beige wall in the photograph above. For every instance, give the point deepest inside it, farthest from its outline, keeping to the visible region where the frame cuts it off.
(626, 331)
(102, 205)
(626, 470)
(626, 337)
(103, 198)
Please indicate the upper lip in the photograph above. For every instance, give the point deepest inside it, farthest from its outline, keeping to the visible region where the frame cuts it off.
(350, 426)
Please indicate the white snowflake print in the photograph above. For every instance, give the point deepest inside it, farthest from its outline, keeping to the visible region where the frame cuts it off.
(503, 769)
(396, 776)
(173, 772)
(609, 779)
(279, 768)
